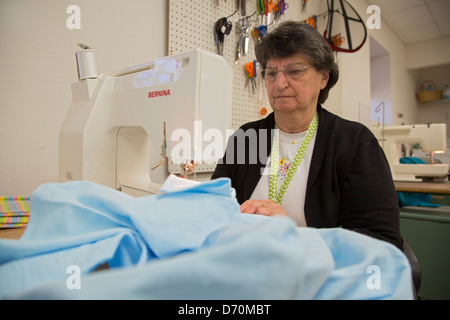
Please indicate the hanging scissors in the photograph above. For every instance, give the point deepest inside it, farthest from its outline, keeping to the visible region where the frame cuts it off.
(222, 27)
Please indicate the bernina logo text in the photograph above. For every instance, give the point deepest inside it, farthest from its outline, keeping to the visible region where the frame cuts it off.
(159, 93)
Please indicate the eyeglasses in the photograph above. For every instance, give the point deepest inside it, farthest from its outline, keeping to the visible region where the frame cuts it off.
(293, 71)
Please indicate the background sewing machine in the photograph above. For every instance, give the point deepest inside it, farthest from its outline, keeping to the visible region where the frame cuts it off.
(121, 129)
(432, 139)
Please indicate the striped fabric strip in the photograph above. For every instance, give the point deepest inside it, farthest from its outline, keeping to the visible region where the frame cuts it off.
(15, 220)
(14, 211)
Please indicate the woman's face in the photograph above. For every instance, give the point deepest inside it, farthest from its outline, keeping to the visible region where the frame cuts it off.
(298, 92)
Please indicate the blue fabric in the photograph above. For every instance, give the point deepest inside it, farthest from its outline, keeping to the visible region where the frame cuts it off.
(411, 198)
(188, 244)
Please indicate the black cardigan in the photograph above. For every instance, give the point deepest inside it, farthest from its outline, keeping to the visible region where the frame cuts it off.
(349, 183)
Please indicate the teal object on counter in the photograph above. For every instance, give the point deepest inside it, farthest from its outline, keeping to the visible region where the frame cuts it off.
(410, 198)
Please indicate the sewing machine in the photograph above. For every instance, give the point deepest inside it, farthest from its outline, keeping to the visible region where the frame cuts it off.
(431, 137)
(130, 129)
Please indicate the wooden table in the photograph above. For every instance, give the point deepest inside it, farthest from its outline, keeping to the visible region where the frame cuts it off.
(423, 187)
(13, 233)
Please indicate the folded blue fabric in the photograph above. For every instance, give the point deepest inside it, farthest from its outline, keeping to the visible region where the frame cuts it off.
(188, 244)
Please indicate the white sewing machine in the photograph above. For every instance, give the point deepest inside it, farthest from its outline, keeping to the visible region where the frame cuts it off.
(431, 137)
(129, 129)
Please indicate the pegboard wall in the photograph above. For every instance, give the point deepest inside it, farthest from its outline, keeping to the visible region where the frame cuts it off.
(191, 26)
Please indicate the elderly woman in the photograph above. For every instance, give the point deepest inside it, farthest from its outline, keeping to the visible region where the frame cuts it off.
(315, 167)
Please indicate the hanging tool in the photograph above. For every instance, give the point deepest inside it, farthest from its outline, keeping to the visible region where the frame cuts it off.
(242, 6)
(260, 11)
(312, 21)
(279, 9)
(269, 11)
(221, 28)
(250, 68)
(259, 32)
(349, 14)
(304, 5)
(265, 10)
(243, 28)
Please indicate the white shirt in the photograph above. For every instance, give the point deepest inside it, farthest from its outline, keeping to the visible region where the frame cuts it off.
(294, 198)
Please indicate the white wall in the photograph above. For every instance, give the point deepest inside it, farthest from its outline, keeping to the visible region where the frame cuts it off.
(380, 88)
(356, 74)
(430, 60)
(428, 53)
(37, 67)
(435, 111)
(408, 63)
(355, 82)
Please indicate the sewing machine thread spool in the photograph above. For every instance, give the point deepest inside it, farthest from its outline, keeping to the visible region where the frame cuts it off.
(87, 68)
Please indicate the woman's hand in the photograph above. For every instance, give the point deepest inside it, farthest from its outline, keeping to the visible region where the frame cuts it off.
(263, 207)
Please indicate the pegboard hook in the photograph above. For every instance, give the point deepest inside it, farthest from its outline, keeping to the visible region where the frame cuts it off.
(232, 14)
(250, 15)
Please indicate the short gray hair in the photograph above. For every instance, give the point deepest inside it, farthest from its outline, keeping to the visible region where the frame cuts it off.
(291, 38)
